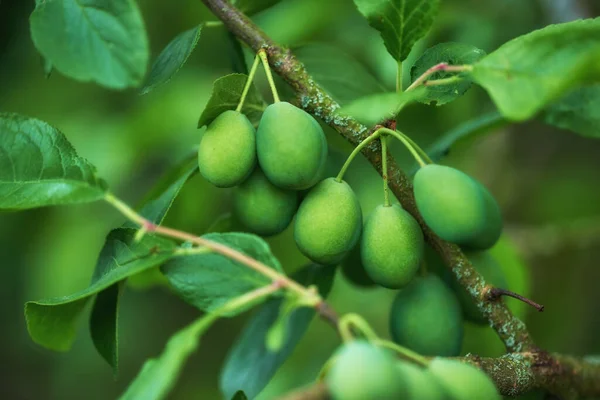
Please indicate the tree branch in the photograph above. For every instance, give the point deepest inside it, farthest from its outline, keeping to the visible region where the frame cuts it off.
(561, 375)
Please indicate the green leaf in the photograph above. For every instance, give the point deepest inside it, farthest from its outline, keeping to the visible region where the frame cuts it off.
(453, 54)
(577, 111)
(400, 22)
(52, 322)
(340, 74)
(172, 58)
(209, 280)
(96, 40)
(159, 375)
(226, 95)
(251, 363)
(532, 71)
(104, 317)
(371, 110)
(253, 6)
(469, 129)
(39, 167)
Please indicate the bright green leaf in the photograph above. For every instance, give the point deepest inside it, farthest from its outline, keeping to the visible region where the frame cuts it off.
(93, 40)
(450, 53)
(159, 375)
(253, 6)
(52, 322)
(578, 111)
(251, 363)
(532, 71)
(104, 317)
(226, 95)
(371, 110)
(209, 280)
(39, 167)
(172, 58)
(400, 22)
(340, 74)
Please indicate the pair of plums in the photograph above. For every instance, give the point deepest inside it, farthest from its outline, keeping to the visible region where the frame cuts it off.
(362, 370)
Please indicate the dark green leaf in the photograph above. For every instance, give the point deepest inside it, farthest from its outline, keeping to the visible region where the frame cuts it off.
(209, 280)
(254, 6)
(469, 129)
(104, 317)
(159, 375)
(337, 72)
(226, 95)
(578, 111)
(251, 362)
(376, 108)
(39, 167)
(96, 40)
(239, 396)
(532, 71)
(52, 322)
(238, 59)
(172, 58)
(401, 22)
(450, 53)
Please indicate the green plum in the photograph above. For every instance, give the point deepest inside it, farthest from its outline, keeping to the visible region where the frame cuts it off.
(291, 146)
(462, 381)
(362, 371)
(426, 317)
(456, 207)
(328, 223)
(391, 246)
(420, 384)
(262, 207)
(227, 151)
(491, 271)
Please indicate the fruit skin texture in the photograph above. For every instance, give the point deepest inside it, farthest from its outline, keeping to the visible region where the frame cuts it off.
(491, 271)
(419, 383)
(262, 207)
(362, 371)
(291, 147)
(426, 318)
(328, 222)
(456, 207)
(392, 246)
(227, 152)
(463, 381)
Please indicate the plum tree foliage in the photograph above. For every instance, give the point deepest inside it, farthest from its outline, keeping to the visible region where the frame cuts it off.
(279, 175)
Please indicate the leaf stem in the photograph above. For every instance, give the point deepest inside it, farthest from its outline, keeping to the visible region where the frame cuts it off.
(437, 68)
(384, 167)
(350, 320)
(213, 24)
(399, 77)
(444, 81)
(418, 148)
(248, 84)
(311, 296)
(406, 143)
(263, 56)
(355, 152)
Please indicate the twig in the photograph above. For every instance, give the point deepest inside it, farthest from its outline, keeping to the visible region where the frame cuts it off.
(496, 293)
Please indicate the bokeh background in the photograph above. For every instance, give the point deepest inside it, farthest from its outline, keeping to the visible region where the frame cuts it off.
(545, 179)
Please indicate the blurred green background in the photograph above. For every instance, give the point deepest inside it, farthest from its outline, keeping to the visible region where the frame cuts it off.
(545, 179)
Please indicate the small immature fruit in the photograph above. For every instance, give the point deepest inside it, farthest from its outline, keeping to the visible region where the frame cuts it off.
(391, 246)
(462, 381)
(491, 271)
(456, 207)
(328, 222)
(262, 207)
(426, 318)
(362, 371)
(227, 152)
(291, 146)
(420, 384)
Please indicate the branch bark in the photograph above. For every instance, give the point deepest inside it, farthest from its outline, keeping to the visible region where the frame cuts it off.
(562, 375)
